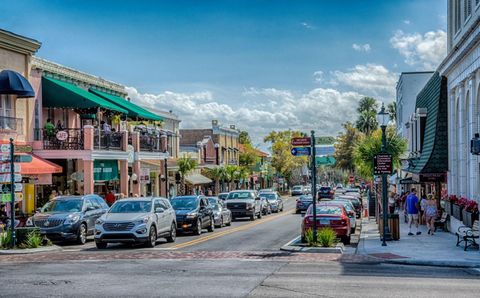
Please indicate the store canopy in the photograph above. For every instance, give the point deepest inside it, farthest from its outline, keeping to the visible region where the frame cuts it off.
(11, 82)
(38, 166)
(134, 111)
(197, 179)
(59, 94)
(105, 170)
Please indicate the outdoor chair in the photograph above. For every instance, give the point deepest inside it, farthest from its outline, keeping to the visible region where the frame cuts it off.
(468, 235)
(441, 222)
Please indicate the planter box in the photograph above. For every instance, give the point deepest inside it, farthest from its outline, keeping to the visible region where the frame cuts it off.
(457, 211)
(469, 218)
(448, 207)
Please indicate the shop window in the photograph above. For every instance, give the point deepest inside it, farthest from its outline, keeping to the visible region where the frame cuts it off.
(7, 120)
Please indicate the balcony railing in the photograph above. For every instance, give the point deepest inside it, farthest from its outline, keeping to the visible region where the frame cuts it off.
(150, 143)
(64, 139)
(11, 125)
(107, 140)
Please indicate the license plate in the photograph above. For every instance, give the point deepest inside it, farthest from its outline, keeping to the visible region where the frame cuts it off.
(324, 221)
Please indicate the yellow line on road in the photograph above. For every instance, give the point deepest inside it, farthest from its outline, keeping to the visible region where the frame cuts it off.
(230, 231)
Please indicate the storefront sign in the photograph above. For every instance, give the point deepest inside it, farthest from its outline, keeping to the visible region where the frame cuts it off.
(62, 135)
(5, 168)
(5, 148)
(7, 187)
(6, 178)
(145, 175)
(383, 164)
(6, 197)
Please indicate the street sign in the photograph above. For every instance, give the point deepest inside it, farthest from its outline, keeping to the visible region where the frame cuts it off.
(382, 164)
(17, 158)
(16, 186)
(5, 148)
(5, 168)
(301, 141)
(7, 198)
(301, 151)
(5, 178)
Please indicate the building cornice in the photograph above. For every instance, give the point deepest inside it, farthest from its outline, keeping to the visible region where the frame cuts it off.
(18, 43)
(59, 70)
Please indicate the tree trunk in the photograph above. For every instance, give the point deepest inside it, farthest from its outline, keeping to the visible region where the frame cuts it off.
(217, 186)
(182, 186)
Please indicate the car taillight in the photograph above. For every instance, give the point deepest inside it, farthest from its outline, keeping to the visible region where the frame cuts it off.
(331, 192)
(308, 220)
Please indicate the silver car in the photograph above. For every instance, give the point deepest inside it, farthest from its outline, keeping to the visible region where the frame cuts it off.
(136, 220)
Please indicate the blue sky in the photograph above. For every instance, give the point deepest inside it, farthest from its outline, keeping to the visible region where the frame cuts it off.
(253, 56)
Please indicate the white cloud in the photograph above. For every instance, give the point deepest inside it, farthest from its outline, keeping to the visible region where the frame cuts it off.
(372, 79)
(307, 25)
(406, 22)
(318, 76)
(425, 51)
(263, 110)
(361, 47)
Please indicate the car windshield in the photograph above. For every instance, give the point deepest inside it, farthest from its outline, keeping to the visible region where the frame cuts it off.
(223, 196)
(268, 196)
(327, 209)
(212, 200)
(240, 195)
(184, 203)
(63, 206)
(297, 188)
(306, 198)
(325, 189)
(131, 207)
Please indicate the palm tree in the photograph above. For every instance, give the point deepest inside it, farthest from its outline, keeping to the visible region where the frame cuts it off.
(216, 174)
(243, 175)
(231, 172)
(367, 122)
(367, 104)
(185, 166)
(392, 111)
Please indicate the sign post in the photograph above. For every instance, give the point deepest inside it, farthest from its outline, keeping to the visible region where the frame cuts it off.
(314, 186)
(12, 192)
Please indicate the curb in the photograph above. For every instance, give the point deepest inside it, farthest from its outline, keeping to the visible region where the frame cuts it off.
(291, 247)
(30, 250)
(433, 263)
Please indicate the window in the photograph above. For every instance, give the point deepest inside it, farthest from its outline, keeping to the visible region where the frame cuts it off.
(457, 19)
(6, 113)
(158, 204)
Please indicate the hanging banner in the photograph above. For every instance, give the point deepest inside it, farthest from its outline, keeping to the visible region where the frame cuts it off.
(145, 175)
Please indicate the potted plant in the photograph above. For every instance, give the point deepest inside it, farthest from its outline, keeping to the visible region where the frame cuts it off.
(458, 207)
(470, 213)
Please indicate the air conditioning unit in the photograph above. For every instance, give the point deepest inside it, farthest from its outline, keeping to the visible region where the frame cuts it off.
(475, 145)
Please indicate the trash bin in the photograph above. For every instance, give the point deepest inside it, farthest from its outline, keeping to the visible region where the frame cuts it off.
(394, 226)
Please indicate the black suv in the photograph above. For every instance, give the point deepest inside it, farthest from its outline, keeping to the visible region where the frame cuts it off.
(70, 217)
(325, 192)
(193, 214)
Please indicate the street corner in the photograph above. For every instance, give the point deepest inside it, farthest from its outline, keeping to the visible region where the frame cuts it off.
(29, 251)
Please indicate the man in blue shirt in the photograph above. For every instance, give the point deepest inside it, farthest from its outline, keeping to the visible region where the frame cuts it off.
(411, 209)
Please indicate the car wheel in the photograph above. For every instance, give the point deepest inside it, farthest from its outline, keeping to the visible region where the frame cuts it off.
(229, 223)
(260, 215)
(101, 245)
(173, 233)
(252, 217)
(352, 230)
(298, 211)
(152, 237)
(211, 228)
(82, 234)
(198, 228)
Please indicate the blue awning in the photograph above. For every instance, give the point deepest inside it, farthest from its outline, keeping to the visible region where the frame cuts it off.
(11, 82)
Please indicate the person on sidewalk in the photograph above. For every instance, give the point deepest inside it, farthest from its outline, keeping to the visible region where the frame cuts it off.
(411, 209)
(431, 213)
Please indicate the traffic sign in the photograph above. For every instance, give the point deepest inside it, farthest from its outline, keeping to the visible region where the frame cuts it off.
(5, 168)
(301, 151)
(5, 178)
(17, 158)
(5, 148)
(16, 186)
(7, 198)
(301, 141)
(382, 164)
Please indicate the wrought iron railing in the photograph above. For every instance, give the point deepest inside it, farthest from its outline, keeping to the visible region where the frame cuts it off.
(107, 140)
(60, 139)
(11, 124)
(150, 143)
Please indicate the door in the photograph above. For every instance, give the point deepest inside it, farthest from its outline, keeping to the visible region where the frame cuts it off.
(205, 213)
(162, 225)
(170, 213)
(91, 214)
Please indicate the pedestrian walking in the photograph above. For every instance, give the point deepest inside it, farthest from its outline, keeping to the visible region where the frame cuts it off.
(412, 210)
(431, 213)
(391, 203)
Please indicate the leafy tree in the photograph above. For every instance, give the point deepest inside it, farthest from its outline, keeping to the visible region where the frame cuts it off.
(249, 157)
(324, 140)
(367, 122)
(216, 174)
(369, 145)
(367, 104)
(392, 111)
(231, 175)
(344, 147)
(185, 166)
(244, 138)
(283, 161)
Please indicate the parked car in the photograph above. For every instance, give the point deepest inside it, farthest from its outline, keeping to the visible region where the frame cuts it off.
(244, 203)
(276, 202)
(223, 196)
(303, 202)
(325, 192)
(265, 190)
(193, 214)
(350, 213)
(329, 214)
(221, 215)
(136, 220)
(357, 204)
(68, 218)
(298, 190)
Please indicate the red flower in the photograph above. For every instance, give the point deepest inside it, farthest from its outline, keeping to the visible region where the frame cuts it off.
(472, 206)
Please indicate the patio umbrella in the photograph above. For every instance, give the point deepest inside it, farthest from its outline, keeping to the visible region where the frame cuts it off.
(11, 82)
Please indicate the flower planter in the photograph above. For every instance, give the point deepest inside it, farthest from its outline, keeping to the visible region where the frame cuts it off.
(448, 207)
(457, 211)
(469, 218)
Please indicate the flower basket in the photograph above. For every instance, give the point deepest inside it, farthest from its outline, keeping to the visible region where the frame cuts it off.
(448, 207)
(469, 217)
(457, 211)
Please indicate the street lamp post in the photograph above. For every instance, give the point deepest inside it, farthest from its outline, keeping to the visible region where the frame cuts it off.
(383, 118)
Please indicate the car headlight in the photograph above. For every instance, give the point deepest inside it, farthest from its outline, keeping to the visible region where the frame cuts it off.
(142, 220)
(99, 221)
(72, 218)
(192, 215)
(249, 206)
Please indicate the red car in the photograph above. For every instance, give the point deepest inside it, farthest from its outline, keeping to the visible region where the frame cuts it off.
(329, 214)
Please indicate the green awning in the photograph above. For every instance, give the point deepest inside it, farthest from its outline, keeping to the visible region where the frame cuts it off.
(134, 111)
(58, 94)
(105, 170)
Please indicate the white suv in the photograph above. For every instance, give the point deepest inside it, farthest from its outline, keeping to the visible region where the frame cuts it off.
(136, 220)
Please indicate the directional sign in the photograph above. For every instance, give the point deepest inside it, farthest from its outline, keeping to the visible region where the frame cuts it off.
(17, 187)
(5, 148)
(5, 168)
(382, 164)
(7, 198)
(17, 158)
(5, 178)
(301, 151)
(301, 141)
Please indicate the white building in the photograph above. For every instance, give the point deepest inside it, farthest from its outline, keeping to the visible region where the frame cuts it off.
(462, 68)
(408, 86)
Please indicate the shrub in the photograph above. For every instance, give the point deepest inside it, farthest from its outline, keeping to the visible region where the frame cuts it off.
(326, 237)
(22, 233)
(5, 239)
(33, 239)
(309, 238)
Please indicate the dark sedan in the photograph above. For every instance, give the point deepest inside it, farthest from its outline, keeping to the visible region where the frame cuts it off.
(303, 202)
(325, 192)
(193, 214)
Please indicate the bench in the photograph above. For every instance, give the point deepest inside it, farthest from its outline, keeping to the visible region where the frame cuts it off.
(441, 222)
(468, 235)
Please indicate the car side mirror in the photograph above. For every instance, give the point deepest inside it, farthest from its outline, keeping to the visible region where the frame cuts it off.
(159, 210)
(90, 208)
(258, 199)
(39, 210)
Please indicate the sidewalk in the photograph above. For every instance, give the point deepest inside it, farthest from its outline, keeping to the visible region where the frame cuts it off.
(437, 250)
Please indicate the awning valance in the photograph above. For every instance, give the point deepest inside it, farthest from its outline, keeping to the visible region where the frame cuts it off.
(197, 179)
(38, 166)
(134, 111)
(59, 94)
